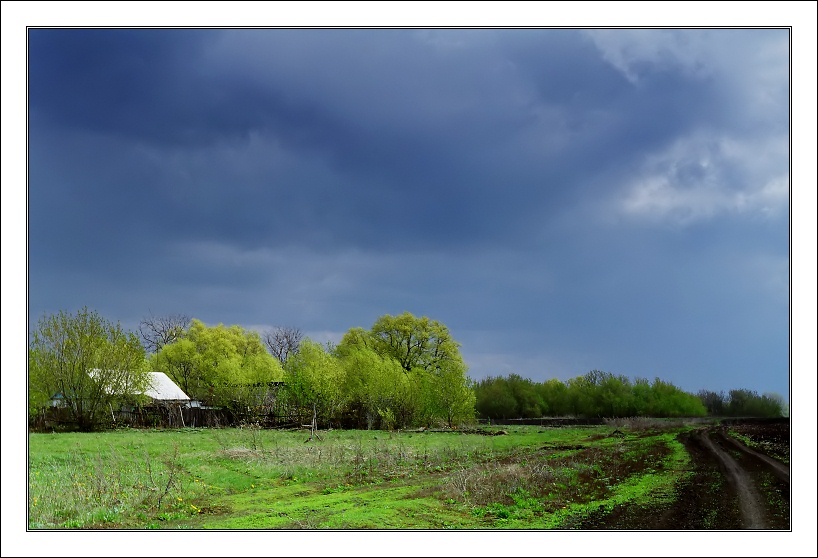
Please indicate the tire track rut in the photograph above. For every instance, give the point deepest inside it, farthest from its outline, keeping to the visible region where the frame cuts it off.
(729, 487)
(750, 502)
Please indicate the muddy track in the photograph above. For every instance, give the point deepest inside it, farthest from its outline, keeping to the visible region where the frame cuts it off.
(729, 487)
(747, 497)
(782, 470)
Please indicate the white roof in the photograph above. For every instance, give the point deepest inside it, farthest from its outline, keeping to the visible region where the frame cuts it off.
(163, 388)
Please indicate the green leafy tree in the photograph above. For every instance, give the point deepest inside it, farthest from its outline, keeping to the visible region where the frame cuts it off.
(453, 398)
(748, 403)
(670, 401)
(88, 361)
(554, 394)
(581, 395)
(439, 386)
(715, 403)
(616, 396)
(314, 379)
(374, 385)
(415, 342)
(180, 361)
(595, 394)
(494, 399)
(528, 401)
(220, 365)
(776, 404)
(418, 377)
(642, 397)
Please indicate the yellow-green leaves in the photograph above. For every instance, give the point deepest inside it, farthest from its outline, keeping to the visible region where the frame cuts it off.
(85, 360)
(219, 364)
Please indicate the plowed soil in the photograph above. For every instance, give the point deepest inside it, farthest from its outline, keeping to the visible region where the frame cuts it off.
(731, 485)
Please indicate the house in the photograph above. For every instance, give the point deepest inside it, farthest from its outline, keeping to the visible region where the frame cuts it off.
(165, 393)
(161, 389)
(165, 401)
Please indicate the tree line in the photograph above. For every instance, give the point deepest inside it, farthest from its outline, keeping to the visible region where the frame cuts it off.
(602, 394)
(404, 371)
(743, 403)
(595, 394)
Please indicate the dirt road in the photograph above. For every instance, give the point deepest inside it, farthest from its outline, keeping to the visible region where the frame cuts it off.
(731, 486)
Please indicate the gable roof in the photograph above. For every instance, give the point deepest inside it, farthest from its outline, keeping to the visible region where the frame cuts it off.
(163, 388)
(160, 388)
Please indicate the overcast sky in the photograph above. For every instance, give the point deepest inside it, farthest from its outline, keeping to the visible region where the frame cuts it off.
(562, 199)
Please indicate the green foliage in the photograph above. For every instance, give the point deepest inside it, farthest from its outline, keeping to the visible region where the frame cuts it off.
(595, 394)
(494, 399)
(86, 360)
(554, 394)
(743, 403)
(415, 342)
(314, 377)
(220, 365)
(217, 479)
(777, 404)
(406, 371)
(670, 401)
(374, 385)
(529, 402)
(511, 397)
(747, 403)
(180, 361)
(453, 398)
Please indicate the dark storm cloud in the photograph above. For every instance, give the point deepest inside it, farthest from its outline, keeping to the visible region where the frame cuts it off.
(556, 197)
(129, 82)
(439, 152)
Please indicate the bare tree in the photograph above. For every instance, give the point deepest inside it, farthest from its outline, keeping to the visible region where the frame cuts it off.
(283, 342)
(158, 331)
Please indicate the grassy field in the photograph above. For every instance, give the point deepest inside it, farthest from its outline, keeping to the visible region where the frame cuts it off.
(525, 477)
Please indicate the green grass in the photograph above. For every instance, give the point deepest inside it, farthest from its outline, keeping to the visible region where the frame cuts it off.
(532, 477)
(764, 446)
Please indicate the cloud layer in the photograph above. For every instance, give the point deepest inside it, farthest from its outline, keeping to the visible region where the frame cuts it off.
(562, 199)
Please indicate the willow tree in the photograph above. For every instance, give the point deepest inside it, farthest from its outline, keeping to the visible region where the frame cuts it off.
(375, 386)
(86, 361)
(431, 359)
(314, 380)
(415, 342)
(221, 365)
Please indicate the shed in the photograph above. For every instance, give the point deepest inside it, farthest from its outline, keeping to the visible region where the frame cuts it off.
(163, 388)
(160, 388)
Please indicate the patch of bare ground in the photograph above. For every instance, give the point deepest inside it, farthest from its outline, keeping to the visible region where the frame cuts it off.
(729, 486)
(772, 437)
(576, 474)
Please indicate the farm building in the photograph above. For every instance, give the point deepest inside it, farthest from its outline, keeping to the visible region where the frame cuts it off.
(162, 403)
(167, 402)
(161, 389)
(164, 389)
(166, 397)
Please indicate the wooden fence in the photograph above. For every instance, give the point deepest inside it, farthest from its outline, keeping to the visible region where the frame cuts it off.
(165, 416)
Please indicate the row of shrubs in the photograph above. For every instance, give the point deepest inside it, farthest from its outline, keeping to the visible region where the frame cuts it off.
(602, 394)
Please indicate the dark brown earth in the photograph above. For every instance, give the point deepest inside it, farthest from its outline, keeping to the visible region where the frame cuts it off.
(731, 486)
